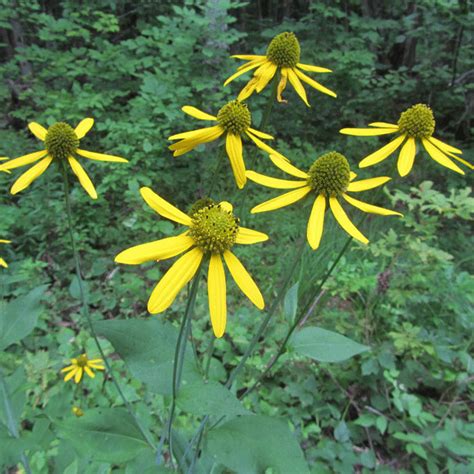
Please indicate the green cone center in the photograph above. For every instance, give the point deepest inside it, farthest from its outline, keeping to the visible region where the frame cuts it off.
(234, 117)
(329, 174)
(417, 121)
(214, 229)
(284, 50)
(61, 141)
(82, 361)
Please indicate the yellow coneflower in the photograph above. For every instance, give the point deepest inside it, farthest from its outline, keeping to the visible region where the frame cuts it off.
(2, 262)
(283, 55)
(233, 120)
(212, 231)
(328, 179)
(80, 365)
(61, 143)
(416, 123)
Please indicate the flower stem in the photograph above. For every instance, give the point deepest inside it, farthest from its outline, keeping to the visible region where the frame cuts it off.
(85, 310)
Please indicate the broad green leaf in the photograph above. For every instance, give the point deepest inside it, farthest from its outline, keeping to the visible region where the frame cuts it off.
(325, 346)
(20, 316)
(251, 444)
(290, 303)
(148, 349)
(11, 448)
(12, 398)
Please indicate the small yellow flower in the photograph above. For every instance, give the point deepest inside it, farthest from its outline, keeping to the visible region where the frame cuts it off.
(61, 143)
(77, 411)
(212, 232)
(283, 54)
(416, 123)
(329, 178)
(233, 120)
(2, 262)
(80, 365)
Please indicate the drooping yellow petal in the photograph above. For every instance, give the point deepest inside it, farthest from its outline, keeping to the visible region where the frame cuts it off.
(345, 222)
(382, 153)
(284, 164)
(247, 236)
(457, 158)
(233, 146)
(243, 279)
(68, 368)
(310, 68)
(282, 84)
(2, 241)
(274, 182)
(89, 372)
(37, 130)
(440, 157)
(248, 90)
(188, 144)
(78, 374)
(406, 157)
(365, 184)
(92, 155)
(83, 177)
(282, 201)
(29, 176)
(71, 374)
(314, 230)
(363, 206)
(367, 132)
(259, 134)
(216, 291)
(164, 208)
(296, 83)
(157, 250)
(265, 75)
(179, 274)
(249, 67)
(263, 146)
(316, 85)
(200, 134)
(196, 113)
(3, 263)
(383, 125)
(23, 160)
(83, 127)
(444, 146)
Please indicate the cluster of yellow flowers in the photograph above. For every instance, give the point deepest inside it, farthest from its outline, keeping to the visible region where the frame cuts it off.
(212, 229)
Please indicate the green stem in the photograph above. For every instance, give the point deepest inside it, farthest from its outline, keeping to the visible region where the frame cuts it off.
(85, 310)
(221, 154)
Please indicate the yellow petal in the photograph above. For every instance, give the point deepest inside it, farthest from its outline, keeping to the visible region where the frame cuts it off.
(282, 84)
(316, 85)
(243, 279)
(233, 146)
(157, 250)
(96, 366)
(96, 361)
(249, 67)
(188, 144)
(265, 75)
(200, 134)
(263, 146)
(247, 236)
(345, 222)
(83, 127)
(89, 372)
(310, 68)
(365, 184)
(3, 263)
(457, 158)
(383, 153)
(227, 206)
(274, 182)
(406, 157)
(92, 155)
(37, 130)
(284, 164)
(352, 175)
(29, 176)
(444, 146)
(5, 241)
(282, 201)
(23, 160)
(83, 177)
(179, 274)
(363, 206)
(248, 90)
(259, 134)
(314, 231)
(68, 368)
(383, 125)
(440, 157)
(216, 290)
(248, 57)
(164, 208)
(71, 374)
(78, 375)
(367, 132)
(296, 83)
(196, 113)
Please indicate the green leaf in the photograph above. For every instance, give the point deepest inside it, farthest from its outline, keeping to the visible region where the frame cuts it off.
(290, 303)
(325, 346)
(20, 317)
(210, 398)
(148, 349)
(253, 444)
(381, 424)
(105, 434)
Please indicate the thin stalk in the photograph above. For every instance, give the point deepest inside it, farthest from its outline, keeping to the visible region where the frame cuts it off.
(85, 310)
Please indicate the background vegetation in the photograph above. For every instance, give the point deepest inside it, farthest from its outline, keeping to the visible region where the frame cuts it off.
(403, 406)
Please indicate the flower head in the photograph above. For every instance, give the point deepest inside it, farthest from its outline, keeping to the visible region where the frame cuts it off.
(416, 124)
(234, 120)
(212, 231)
(61, 143)
(2, 262)
(328, 180)
(80, 365)
(283, 56)
(77, 411)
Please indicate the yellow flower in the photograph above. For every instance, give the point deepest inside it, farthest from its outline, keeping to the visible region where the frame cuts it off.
(212, 232)
(2, 262)
(283, 54)
(233, 120)
(80, 365)
(61, 143)
(78, 411)
(328, 179)
(417, 123)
